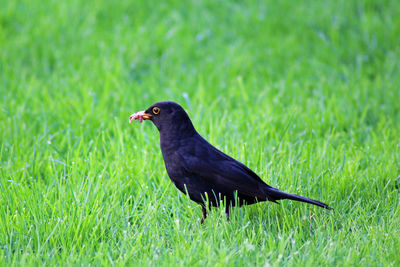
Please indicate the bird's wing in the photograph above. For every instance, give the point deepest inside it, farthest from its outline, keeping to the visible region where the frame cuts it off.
(220, 170)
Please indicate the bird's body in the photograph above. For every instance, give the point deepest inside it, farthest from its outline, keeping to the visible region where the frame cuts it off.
(215, 173)
(200, 170)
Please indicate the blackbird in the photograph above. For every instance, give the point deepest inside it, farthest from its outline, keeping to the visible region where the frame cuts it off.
(200, 170)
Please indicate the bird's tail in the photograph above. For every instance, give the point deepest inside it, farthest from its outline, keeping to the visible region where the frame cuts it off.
(277, 194)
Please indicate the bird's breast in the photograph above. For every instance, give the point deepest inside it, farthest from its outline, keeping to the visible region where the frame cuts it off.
(171, 159)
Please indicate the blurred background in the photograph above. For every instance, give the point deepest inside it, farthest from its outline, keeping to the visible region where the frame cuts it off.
(306, 93)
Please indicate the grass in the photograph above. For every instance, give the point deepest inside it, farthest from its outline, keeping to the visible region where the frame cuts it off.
(306, 94)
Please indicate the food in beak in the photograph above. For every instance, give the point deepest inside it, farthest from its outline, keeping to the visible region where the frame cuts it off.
(141, 115)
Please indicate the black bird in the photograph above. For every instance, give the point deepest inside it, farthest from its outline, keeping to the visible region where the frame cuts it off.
(206, 174)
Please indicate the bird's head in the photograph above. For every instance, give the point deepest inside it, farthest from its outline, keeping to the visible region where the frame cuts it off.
(166, 116)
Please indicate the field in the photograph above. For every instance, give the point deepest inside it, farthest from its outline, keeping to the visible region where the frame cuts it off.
(307, 94)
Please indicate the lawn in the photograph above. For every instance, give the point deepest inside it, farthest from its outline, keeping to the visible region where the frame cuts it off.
(307, 94)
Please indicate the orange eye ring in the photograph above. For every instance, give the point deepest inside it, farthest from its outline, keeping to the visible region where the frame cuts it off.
(156, 110)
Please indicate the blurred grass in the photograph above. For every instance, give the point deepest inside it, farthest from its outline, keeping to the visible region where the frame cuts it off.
(306, 94)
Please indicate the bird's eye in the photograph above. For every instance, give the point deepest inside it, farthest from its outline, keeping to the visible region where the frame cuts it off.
(156, 110)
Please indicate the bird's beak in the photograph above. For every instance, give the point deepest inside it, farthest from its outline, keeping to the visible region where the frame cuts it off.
(141, 115)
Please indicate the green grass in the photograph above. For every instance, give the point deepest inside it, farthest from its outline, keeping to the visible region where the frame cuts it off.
(305, 93)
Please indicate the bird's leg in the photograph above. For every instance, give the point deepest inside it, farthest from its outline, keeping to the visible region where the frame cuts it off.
(227, 212)
(203, 209)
